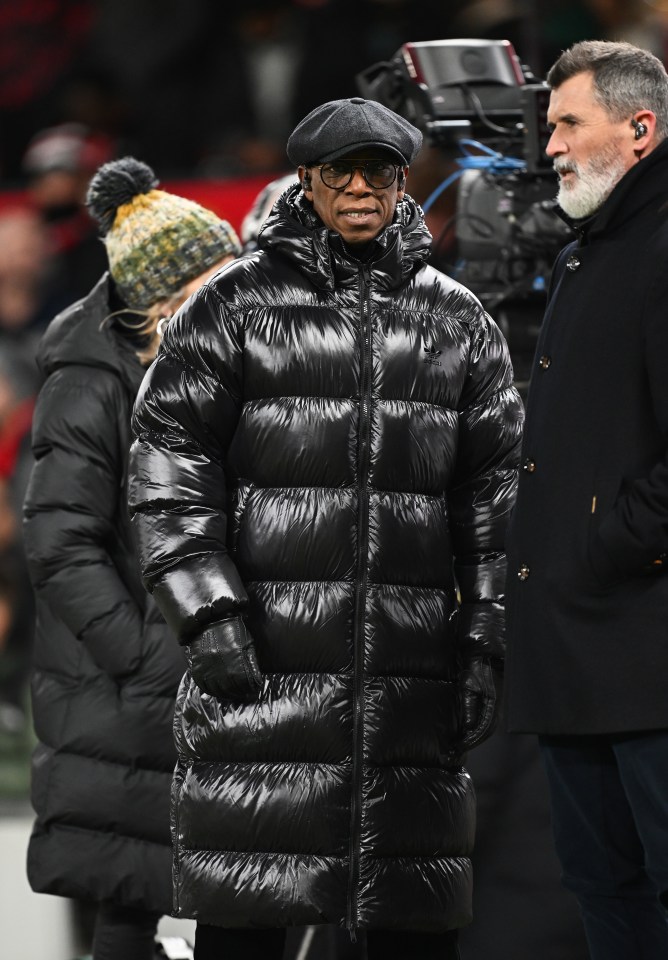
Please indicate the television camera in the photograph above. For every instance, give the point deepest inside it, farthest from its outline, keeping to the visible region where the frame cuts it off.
(476, 100)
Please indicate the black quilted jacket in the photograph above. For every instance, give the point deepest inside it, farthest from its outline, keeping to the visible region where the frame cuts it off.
(327, 447)
(106, 668)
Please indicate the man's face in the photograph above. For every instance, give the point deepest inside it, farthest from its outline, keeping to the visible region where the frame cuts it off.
(591, 151)
(358, 212)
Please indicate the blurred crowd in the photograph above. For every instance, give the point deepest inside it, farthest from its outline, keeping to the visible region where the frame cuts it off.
(205, 89)
(198, 90)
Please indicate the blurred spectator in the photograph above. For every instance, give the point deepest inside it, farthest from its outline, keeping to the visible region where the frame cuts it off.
(27, 301)
(514, 20)
(29, 297)
(210, 89)
(635, 21)
(59, 163)
(564, 21)
(16, 604)
(275, 62)
(26, 271)
(156, 63)
(40, 43)
(259, 211)
(390, 23)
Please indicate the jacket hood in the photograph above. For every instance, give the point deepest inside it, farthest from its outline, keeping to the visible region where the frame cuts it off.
(82, 335)
(295, 230)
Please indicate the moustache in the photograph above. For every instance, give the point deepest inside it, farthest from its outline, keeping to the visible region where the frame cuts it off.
(565, 167)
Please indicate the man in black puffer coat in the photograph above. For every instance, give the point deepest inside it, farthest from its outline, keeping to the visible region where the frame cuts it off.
(325, 459)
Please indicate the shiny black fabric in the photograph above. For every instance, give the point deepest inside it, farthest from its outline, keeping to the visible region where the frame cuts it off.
(316, 443)
(102, 769)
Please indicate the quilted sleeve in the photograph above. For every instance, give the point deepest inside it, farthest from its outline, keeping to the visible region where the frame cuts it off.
(491, 416)
(184, 418)
(69, 515)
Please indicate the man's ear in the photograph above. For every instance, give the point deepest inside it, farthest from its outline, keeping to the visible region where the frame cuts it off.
(401, 178)
(305, 178)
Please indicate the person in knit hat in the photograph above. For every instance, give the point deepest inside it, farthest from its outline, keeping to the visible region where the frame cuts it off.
(159, 245)
(105, 667)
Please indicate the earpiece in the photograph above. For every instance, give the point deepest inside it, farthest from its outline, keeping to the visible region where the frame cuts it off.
(640, 128)
(401, 180)
(306, 181)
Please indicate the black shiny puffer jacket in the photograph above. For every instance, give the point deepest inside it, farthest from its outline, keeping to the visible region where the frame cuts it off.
(323, 445)
(106, 668)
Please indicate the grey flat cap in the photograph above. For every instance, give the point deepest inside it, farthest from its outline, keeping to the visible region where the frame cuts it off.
(336, 128)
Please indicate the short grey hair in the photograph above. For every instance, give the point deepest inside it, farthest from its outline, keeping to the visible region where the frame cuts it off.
(627, 78)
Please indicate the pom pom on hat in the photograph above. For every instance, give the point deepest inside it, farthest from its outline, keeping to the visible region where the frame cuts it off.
(116, 184)
(156, 241)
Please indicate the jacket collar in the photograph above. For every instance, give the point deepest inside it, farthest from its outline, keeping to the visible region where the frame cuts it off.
(82, 335)
(294, 230)
(638, 188)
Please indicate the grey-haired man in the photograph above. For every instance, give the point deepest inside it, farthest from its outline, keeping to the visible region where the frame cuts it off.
(587, 589)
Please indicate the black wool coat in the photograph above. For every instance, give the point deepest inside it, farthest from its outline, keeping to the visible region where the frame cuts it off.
(322, 446)
(587, 596)
(105, 666)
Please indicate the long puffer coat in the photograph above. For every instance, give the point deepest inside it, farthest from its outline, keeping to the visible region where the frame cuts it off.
(105, 667)
(317, 441)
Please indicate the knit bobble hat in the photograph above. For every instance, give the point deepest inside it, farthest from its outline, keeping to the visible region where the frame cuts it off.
(156, 241)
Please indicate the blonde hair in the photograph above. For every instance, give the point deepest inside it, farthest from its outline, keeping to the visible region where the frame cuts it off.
(146, 329)
(162, 310)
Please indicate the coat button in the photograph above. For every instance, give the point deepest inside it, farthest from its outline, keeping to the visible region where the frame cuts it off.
(544, 362)
(529, 465)
(523, 572)
(572, 263)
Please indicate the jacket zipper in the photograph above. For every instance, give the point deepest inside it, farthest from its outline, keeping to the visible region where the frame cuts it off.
(360, 603)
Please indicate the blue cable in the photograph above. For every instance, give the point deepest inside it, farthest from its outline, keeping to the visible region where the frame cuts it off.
(493, 161)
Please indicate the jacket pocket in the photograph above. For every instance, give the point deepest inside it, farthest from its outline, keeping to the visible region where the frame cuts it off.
(601, 565)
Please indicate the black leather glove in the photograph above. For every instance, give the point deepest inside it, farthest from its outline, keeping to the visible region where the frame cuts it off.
(222, 661)
(479, 690)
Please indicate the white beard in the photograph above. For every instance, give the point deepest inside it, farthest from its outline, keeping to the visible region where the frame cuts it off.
(593, 183)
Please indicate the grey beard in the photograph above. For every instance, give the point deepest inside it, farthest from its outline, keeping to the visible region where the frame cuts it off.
(594, 184)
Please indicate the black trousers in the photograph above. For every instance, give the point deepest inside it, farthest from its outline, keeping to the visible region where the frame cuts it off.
(122, 932)
(609, 801)
(222, 943)
(516, 871)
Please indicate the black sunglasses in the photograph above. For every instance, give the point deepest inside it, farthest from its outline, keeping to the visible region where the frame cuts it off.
(378, 174)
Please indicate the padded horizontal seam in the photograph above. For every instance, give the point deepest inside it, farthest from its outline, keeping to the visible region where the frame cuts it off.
(125, 765)
(249, 401)
(407, 856)
(367, 768)
(322, 856)
(407, 401)
(348, 487)
(168, 354)
(266, 763)
(371, 585)
(368, 676)
(57, 826)
(261, 853)
(506, 388)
